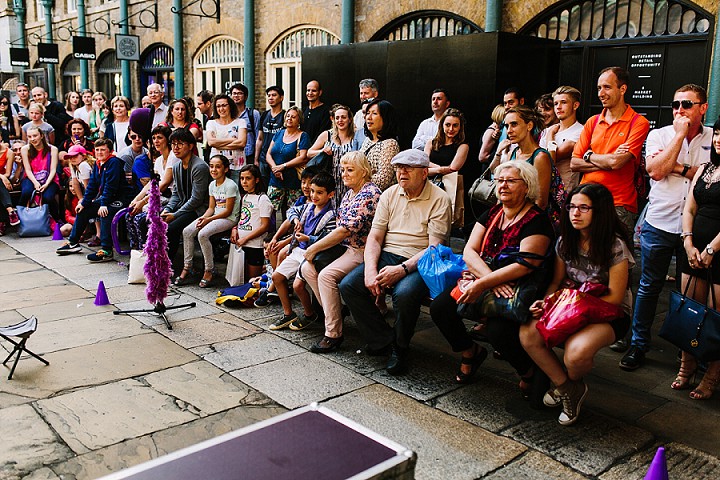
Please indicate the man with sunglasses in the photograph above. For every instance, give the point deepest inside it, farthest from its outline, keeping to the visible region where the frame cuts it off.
(132, 151)
(673, 155)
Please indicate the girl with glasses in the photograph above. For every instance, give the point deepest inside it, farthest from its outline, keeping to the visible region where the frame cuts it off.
(9, 124)
(593, 247)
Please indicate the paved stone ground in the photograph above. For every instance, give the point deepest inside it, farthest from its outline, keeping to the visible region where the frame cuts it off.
(121, 390)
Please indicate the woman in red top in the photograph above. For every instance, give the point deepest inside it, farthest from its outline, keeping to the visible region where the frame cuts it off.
(179, 116)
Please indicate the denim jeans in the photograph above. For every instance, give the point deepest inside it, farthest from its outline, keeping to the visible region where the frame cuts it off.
(407, 295)
(656, 250)
(83, 218)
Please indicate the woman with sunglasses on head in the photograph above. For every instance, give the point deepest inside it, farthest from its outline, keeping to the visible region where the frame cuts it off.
(701, 239)
(593, 247)
(489, 142)
(227, 134)
(9, 124)
(180, 116)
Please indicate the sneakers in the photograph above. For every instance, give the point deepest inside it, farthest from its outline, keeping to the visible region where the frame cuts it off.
(101, 255)
(633, 359)
(572, 395)
(69, 248)
(326, 345)
(619, 346)
(14, 219)
(94, 241)
(283, 321)
(303, 321)
(551, 399)
(264, 298)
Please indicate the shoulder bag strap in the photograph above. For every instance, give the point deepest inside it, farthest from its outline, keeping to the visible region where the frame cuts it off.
(492, 224)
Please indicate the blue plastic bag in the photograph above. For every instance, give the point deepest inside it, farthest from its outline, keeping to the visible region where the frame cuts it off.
(440, 268)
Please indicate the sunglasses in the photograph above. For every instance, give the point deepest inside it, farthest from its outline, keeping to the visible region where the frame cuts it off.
(133, 137)
(4, 103)
(22, 85)
(686, 104)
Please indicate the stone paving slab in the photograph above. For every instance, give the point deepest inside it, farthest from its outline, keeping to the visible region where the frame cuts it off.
(534, 466)
(124, 293)
(258, 316)
(682, 462)
(447, 447)
(251, 351)
(205, 331)
(10, 317)
(85, 330)
(491, 403)
(132, 452)
(42, 474)
(32, 297)
(110, 279)
(60, 310)
(95, 364)
(53, 261)
(8, 400)
(96, 417)
(627, 404)
(695, 426)
(84, 269)
(301, 379)
(591, 445)
(32, 279)
(27, 442)
(430, 374)
(202, 385)
(10, 268)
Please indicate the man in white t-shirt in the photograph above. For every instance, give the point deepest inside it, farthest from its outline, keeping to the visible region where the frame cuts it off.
(83, 113)
(560, 139)
(673, 155)
(428, 128)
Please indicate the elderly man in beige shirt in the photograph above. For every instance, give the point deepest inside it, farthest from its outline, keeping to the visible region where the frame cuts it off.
(410, 216)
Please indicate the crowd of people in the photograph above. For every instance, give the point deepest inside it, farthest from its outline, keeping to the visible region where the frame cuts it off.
(356, 213)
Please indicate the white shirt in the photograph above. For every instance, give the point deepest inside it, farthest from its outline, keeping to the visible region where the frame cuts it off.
(359, 120)
(160, 114)
(572, 133)
(83, 114)
(667, 196)
(426, 131)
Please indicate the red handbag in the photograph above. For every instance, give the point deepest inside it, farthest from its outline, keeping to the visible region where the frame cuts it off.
(570, 309)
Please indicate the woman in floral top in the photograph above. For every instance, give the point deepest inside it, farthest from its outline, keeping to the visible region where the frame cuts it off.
(381, 145)
(354, 219)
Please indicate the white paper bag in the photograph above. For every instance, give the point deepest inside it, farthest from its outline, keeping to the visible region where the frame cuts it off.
(137, 267)
(235, 273)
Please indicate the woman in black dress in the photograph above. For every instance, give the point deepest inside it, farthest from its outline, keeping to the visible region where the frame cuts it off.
(701, 239)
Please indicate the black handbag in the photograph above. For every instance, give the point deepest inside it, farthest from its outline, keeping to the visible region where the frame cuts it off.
(327, 256)
(322, 161)
(483, 190)
(526, 290)
(693, 327)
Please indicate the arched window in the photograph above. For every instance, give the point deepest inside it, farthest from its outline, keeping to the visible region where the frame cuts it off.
(109, 80)
(219, 65)
(586, 20)
(284, 61)
(157, 65)
(662, 43)
(70, 75)
(426, 24)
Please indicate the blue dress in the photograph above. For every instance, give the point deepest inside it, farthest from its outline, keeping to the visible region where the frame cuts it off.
(284, 152)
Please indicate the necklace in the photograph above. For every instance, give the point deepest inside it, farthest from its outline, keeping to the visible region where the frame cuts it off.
(709, 176)
(512, 220)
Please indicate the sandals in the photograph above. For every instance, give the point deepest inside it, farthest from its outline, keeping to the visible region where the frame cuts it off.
(686, 373)
(207, 282)
(707, 385)
(475, 361)
(182, 279)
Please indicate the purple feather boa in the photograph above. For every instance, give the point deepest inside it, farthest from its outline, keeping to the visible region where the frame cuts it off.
(158, 270)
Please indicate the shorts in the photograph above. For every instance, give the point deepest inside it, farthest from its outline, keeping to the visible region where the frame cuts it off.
(279, 195)
(289, 267)
(254, 256)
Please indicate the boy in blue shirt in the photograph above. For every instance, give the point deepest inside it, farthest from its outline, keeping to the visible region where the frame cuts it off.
(317, 219)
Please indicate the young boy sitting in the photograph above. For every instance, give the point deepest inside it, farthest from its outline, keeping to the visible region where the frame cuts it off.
(107, 192)
(317, 218)
(275, 249)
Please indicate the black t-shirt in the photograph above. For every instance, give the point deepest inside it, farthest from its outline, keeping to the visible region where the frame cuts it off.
(317, 120)
(270, 126)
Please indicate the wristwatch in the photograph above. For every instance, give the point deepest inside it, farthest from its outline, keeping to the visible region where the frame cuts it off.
(710, 251)
(686, 167)
(552, 146)
(586, 157)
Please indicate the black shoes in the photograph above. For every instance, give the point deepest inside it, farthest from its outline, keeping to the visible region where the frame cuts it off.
(397, 363)
(620, 346)
(326, 345)
(633, 359)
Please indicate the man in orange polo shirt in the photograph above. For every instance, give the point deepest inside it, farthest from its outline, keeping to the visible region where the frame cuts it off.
(610, 145)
